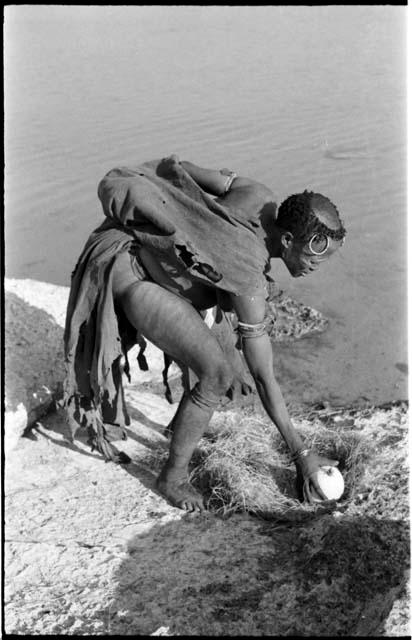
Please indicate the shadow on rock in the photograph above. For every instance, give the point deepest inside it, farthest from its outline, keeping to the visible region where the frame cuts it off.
(345, 573)
(208, 576)
(34, 361)
(136, 414)
(57, 423)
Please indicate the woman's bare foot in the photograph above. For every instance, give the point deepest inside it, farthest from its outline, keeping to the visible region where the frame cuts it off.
(180, 492)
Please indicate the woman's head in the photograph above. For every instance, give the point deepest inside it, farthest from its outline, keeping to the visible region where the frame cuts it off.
(310, 231)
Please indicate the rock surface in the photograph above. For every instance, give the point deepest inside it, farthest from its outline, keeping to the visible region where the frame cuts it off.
(92, 549)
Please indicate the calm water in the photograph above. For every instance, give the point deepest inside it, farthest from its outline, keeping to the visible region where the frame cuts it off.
(297, 97)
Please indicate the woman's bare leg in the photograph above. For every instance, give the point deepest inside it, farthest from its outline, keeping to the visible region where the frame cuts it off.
(173, 325)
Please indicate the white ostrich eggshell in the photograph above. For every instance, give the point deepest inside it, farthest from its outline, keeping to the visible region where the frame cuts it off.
(331, 482)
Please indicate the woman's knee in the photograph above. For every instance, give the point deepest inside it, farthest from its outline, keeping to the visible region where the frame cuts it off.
(217, 377)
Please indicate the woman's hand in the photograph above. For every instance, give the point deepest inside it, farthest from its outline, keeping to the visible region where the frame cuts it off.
(306, 467)
(241, 386)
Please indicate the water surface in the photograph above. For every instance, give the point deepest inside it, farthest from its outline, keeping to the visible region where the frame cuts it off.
(296, 97)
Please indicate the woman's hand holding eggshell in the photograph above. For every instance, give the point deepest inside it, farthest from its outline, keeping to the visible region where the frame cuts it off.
(309, 466)
(331, 482)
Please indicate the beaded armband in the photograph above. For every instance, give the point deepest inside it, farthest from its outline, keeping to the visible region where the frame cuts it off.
(247, 330)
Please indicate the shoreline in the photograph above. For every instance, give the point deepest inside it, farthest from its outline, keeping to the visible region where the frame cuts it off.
(35, 318)
(34, 372)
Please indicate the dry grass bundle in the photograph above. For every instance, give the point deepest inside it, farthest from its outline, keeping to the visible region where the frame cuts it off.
(244, 466)
(242, 463)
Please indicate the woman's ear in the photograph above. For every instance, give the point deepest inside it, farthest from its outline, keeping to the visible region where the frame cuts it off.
(286, 239)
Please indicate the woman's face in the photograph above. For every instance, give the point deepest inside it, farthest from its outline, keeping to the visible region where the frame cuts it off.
(300, 260)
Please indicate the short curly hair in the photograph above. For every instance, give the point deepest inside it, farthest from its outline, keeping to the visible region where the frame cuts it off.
(299, 215)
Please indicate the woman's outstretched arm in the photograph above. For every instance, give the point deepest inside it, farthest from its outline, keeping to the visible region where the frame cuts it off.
(257, 350)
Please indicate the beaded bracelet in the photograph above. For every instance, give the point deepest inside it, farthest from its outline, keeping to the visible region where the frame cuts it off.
(231, 175)
(251, 330)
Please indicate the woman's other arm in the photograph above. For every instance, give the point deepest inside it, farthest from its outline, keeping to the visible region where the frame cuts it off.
(215, 182)
(210, 180)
